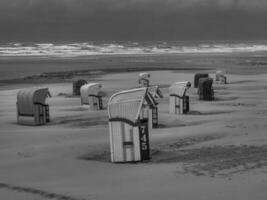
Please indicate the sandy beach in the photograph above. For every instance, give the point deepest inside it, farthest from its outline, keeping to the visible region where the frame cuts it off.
(216, 151)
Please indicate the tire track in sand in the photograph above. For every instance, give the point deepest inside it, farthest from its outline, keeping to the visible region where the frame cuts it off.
(42, 193)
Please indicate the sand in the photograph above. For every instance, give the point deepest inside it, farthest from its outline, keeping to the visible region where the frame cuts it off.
(217, 151)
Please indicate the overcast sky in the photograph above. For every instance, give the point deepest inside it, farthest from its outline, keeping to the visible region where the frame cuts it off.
(79, 20)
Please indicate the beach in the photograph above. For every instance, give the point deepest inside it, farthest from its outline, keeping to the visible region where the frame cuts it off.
(216, 151)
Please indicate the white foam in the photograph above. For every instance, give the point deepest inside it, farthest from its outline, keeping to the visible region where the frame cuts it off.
(83, 49)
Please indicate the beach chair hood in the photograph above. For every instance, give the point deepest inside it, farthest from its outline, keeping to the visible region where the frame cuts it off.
(93, 89)
(220, 72)
(179, 88)
(205, 82)
(144, 75)
(198, 76)
(127, 104)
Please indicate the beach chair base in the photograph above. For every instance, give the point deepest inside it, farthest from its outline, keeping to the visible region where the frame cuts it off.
(129, 142)
(40, 116)
(179, 105)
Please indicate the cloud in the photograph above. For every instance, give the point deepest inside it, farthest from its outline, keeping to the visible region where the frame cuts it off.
(132, 19)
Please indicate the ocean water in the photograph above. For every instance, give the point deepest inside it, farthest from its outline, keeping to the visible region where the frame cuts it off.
(18, 60)
(127, 48)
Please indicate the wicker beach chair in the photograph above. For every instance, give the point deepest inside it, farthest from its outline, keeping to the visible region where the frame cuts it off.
(179, 101)
(205, 89)
(130, 114)
(77, 84)
(91, 95)
(31, 106)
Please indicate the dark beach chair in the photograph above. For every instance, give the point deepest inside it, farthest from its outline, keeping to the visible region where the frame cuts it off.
(77, 84)
(197, 77)
(205, 89)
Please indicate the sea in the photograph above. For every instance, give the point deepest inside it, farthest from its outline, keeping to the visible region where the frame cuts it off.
(20, 59)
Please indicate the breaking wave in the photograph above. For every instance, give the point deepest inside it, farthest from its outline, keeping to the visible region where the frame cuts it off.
(89, 48)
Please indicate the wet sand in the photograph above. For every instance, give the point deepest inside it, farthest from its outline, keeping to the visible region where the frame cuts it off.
(217, 151)
(234, 63)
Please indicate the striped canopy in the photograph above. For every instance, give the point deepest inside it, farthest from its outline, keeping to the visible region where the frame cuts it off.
(127, 104)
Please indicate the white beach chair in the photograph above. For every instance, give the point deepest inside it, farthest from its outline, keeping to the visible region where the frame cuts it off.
(179, 101)
(220, 77)
(143, 79)
(91, 95)
(129, 125)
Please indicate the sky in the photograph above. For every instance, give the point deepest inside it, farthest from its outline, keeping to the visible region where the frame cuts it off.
(89, 20)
